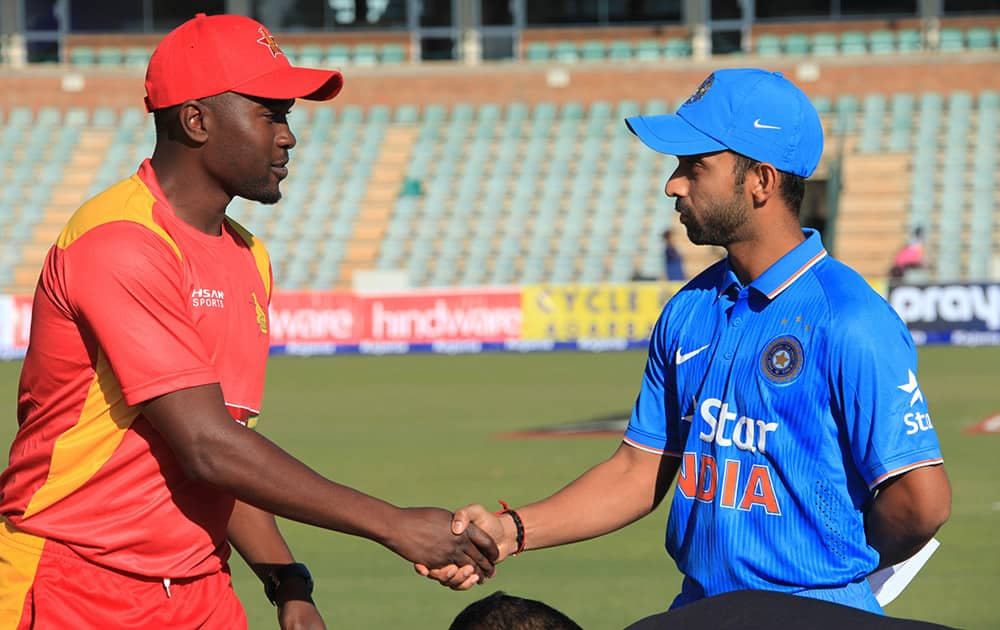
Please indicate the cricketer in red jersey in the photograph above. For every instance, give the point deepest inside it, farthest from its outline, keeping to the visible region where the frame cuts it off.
(128, 477)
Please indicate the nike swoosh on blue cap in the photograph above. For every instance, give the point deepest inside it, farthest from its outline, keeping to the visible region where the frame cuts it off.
(750, 111)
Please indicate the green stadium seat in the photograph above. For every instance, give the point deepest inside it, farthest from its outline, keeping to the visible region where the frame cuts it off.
(82, 56)
(77, 117)
(407, 114)
(104, 117)
(676, 47)
(853, 43)
(364, 55)
(767, 45)
(847, 110)
(909, 40)
(352, 115)
(823, 44)
(882, 42)
(392, 53)
(517, 112)
(871, 124)
(655, 107)
(648, 50)
(463, 112)
(489, 112)
(592, 50)
(565, 52)
(309, 55)
(573, 110)
(380, 114)
(109, 56)
(620, 49)
(901, 122)
(137, 56)
(979, 38)
(951, 40)
(537, 51)
(989, 100)
(823, 104)
(796, 44)
(336, 55)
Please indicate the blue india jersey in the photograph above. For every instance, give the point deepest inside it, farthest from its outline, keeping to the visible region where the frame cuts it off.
(788, 401)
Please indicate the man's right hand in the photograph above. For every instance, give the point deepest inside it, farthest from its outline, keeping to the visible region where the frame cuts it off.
(428, 537)
(468, 518)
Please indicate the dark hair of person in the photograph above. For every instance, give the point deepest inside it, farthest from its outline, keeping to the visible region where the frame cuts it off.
(501, 611)
(792, 187)
(165, 122)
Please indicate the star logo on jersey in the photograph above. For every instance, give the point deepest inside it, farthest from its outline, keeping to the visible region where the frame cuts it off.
(261, 315)
(912, 387)
(268, 41)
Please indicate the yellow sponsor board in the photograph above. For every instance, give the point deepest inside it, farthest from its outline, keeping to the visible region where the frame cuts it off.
(566, 312)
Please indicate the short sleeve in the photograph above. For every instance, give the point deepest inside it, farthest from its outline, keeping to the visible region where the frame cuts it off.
(883, 409)
(125, 285)
(654, 422)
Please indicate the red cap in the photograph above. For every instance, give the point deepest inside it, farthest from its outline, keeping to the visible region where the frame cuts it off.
(209, 55)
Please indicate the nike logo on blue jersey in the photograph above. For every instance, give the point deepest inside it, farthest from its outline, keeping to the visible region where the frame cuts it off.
(682, 356)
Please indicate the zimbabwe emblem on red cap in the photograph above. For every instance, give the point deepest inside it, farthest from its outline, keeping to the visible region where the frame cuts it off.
(267, 40)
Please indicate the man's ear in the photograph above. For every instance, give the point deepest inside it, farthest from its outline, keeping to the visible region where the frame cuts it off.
(191, 120)
(766, 183)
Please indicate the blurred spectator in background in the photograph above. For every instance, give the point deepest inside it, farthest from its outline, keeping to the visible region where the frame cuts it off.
(911, 256)
(673, 264)
(501, 611)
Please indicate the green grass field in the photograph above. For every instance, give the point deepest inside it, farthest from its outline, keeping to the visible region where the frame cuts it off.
(421, 430)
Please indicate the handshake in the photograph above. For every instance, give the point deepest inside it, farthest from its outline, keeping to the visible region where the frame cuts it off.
(464, 554)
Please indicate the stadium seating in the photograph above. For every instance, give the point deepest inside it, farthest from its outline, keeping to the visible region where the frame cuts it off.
(768, 45)
(511, 193)
(310, 55)
(846, 42)
(909, 40)
(853, 42)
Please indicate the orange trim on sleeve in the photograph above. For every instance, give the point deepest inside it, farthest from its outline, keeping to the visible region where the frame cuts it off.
(905, 469)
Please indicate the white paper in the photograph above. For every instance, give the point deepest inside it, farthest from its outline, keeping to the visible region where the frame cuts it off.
(888, 583)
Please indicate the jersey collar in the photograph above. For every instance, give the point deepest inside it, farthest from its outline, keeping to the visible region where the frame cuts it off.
(785, 271)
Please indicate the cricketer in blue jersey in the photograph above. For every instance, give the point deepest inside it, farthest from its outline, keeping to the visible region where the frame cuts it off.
(780, 390)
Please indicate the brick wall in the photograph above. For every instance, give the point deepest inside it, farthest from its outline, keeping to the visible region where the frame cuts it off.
(448, 83)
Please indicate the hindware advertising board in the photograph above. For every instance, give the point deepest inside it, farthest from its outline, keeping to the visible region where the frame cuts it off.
(531, 318)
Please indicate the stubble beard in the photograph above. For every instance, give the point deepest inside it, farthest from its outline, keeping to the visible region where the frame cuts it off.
(721, 223)
(261, 190)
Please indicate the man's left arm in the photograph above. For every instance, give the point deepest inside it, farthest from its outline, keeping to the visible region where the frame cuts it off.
(888, 425)
(907, 511)
(255, 535)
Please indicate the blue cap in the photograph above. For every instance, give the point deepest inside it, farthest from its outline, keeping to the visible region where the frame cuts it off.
(753, 112)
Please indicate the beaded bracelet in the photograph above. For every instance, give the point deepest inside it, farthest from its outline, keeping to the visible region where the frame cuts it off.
(518, 525)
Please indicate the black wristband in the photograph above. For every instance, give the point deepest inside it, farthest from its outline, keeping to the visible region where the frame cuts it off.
(278, 574)
(518, 527)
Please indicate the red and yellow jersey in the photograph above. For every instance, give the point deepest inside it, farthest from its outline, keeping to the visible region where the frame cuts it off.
(133, 303)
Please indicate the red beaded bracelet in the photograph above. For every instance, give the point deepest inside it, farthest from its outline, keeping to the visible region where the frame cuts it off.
(518, 525)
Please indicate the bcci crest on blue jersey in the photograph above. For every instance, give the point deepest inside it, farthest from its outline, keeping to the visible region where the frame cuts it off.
(781, 360)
